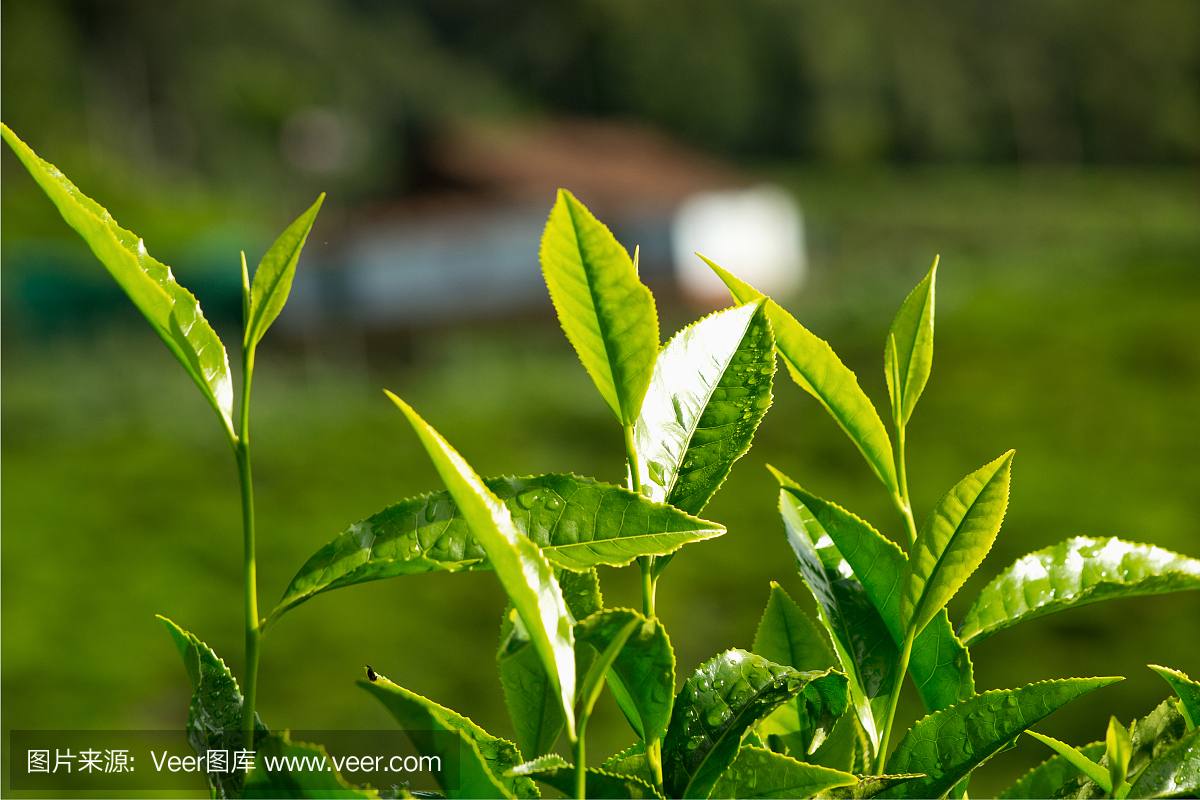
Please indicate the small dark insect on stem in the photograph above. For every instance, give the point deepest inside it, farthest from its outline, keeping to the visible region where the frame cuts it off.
(372, 676)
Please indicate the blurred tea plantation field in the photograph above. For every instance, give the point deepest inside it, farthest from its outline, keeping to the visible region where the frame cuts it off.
(1068, 327)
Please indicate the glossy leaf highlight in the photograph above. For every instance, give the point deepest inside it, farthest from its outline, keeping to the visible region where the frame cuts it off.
(908, 355)
(577, 523)
(215, 711)
(948, 744)
(859, 635)
(273, 278)
(519, 564)
(717, 705)
(1073, 573)
(1173, 773)
(953, 542)
(169, 308)
(710, 388)
(817, 369)
(605, 310)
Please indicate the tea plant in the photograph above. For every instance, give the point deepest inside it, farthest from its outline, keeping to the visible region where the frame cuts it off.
(793, 718)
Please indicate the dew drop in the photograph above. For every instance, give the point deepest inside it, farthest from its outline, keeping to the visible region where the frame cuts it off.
(528, 498)
(553, 502)
(430, 511)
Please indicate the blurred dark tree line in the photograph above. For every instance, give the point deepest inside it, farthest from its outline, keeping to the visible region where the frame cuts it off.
(273, 93)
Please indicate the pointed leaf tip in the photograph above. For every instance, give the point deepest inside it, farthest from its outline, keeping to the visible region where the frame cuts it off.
(605, 310)
(170, 309)
(953, 542)
(908, 356)
(273, 278)
(519, 564)
(816, 369)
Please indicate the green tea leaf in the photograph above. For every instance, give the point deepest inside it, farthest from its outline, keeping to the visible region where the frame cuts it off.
(953, 542)
(717, 705)
(1118, 750)
(483, 759)
(1073, 573)
(593, 681)
(169, 308)
(215, 712)
(605, 310)
(817, 369)
(630, 761)
(581, 590)
(1077, 759)
(908, 356)
(948, 744)
(273, 278)
(839, 748)
(859, 635)
(940, 664)
(531, 697)
(710, 389)
(1047, 778)
(1173, 773)
(599, 783)
(760, 773)
(1188, 691)
(787, 636)
(577, 522)
(519, 564)
(642, 679)
(262, 782)
(1156, 733)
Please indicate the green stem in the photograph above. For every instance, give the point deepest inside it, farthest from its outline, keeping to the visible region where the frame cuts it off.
(580, 767)
(648, 581)
(253, 631)
(903, 505)
(645, 563)
(881, 758)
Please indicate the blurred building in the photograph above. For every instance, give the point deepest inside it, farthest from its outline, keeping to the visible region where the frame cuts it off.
(466, 243)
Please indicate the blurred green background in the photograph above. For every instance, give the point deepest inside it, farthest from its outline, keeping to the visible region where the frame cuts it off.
(1048, 151)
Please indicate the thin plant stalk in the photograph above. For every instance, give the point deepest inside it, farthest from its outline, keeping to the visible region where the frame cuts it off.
(906, 653)
(645, 563)
(904, 506)
(580, 769)
(242, 452)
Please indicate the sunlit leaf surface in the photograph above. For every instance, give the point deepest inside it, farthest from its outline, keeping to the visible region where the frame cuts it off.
(1073, 573)
(605, 310)
(710, 389)
(948, 744)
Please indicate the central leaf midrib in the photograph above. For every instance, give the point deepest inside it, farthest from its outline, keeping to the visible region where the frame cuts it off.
(727, 728)
(707, 398)
(938, 562)
(600, 326)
